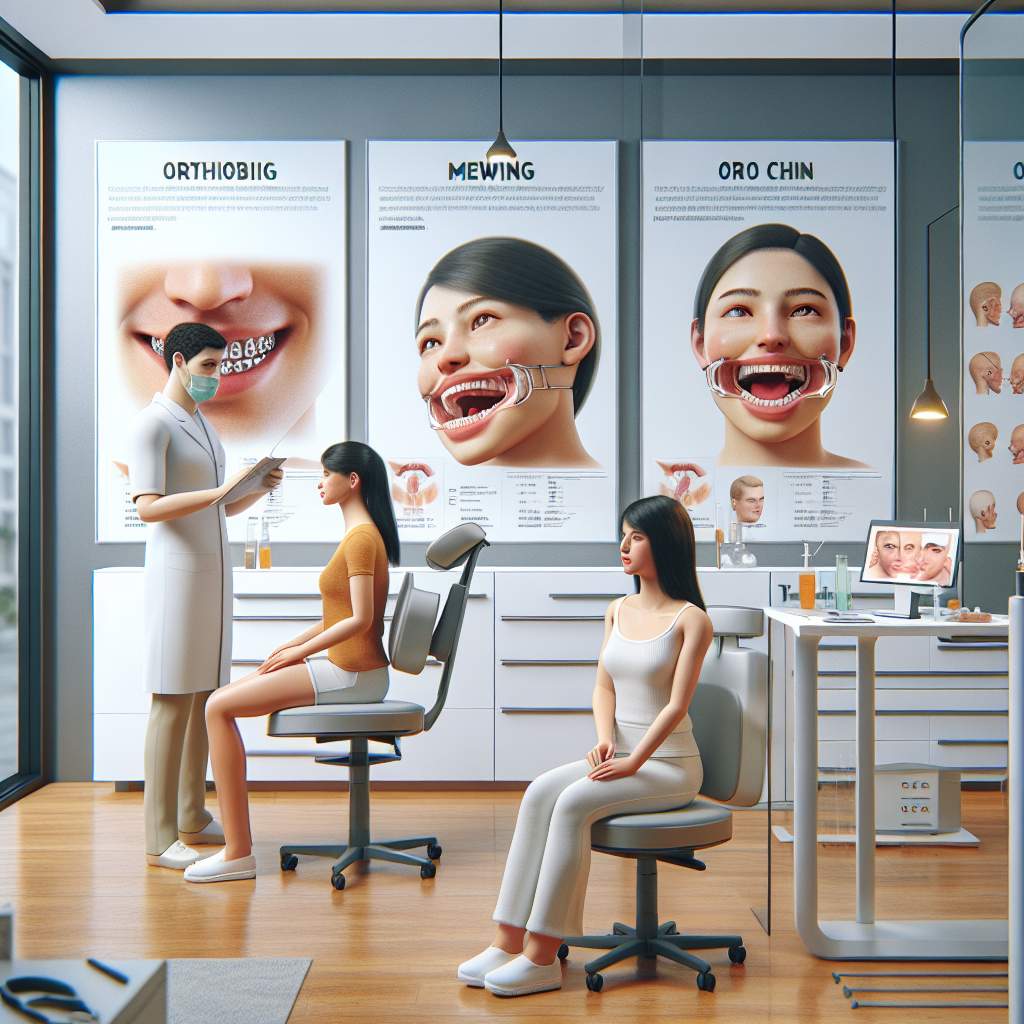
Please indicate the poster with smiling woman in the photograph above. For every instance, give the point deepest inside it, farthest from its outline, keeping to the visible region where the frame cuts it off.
(247, 238)
(768, 359)
(491, 324)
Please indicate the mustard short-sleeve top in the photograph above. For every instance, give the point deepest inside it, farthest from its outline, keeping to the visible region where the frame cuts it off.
(360, 553)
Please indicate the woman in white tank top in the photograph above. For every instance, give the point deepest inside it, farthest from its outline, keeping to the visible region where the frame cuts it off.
(645, 758)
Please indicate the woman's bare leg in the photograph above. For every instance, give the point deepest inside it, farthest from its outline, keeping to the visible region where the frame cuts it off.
(251, 697)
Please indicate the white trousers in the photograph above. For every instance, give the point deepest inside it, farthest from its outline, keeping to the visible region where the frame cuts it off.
(545, 881)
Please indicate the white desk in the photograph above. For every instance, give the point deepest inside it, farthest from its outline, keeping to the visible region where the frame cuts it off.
(864, 938)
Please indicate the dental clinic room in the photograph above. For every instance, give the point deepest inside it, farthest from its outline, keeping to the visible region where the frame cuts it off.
(511, 510)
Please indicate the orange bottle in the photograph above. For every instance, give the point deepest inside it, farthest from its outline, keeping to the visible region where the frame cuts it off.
(808, 586)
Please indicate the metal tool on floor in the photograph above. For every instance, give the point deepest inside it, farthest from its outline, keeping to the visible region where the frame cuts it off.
(849, 992)
(856, 1004)
(836, 975)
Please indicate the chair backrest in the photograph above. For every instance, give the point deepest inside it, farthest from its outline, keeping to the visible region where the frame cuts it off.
(414, 634)
(729, 709)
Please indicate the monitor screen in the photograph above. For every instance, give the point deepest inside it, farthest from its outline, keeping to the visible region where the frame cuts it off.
(916, 554)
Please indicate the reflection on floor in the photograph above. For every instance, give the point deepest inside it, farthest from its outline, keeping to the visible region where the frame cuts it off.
(8, 701)
(385, 949)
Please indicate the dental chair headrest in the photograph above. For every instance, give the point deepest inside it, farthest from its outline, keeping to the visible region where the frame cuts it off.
(729, 620)
(453, 548)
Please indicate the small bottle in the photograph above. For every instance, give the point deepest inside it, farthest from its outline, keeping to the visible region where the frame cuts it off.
(265, 560)
(808, 581)
(842, 584)
(252, 540)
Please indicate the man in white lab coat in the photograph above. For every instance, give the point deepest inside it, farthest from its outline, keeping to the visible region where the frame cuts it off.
(176, 469)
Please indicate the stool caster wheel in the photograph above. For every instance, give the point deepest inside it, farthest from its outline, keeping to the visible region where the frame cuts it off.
(563, 952)
(595, 982)
(706, 982)
(289, 862)
(338, 881)
(671, 930)
(434, 851)
(428, 871)
(737, 954)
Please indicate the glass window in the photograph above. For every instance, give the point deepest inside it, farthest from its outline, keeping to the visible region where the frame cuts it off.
(9, 163)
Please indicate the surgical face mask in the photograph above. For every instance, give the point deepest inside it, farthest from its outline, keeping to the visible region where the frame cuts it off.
(199, 388)
(513, 385)
(733, 378)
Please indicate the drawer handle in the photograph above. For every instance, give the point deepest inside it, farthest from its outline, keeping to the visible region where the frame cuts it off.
(259, 752)
(552, 618)
(973, 743)
(973, 645)
(586, 597)
(519, 662)
(950, 712)
(526, 710)
(908, 674)
(276, 618)
(278, 597)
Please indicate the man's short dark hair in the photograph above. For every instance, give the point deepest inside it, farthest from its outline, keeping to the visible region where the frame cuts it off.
(190, 340)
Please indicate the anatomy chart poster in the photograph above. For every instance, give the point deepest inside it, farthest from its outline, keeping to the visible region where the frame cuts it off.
(993, 341)
(768, 359)
(491, 327)
(248, 238)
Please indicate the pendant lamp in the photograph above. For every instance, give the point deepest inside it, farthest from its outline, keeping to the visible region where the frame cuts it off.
(501, 150)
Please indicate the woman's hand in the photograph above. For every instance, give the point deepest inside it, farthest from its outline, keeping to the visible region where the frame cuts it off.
(281, 658)
(602, 752)
(617, 768)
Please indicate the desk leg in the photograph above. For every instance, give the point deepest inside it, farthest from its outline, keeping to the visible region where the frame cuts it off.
(805, 791)
(865, 812)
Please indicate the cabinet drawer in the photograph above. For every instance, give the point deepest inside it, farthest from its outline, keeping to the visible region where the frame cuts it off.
(894, 727)
(843, 754)
(530, 682)
(957, 657)
(559, 594)
(549, 640)
(969, 754)
(527, 743)
(916, 698)
(951, 729)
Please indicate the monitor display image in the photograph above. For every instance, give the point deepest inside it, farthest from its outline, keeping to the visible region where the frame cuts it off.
(915, 554)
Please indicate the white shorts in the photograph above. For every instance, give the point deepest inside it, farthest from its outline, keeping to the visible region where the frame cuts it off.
(334, 685)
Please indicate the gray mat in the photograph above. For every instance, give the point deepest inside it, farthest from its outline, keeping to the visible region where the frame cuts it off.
(252, 990)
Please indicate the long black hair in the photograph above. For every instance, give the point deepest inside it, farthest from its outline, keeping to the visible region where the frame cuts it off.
(774, 236)
(523, 274)
(356, 457)
(667, 526)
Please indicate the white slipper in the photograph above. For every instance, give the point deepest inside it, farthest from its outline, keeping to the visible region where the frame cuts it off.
(217, 869)
(522, 977)
(177, 856)
(211, 834)
(472, 971)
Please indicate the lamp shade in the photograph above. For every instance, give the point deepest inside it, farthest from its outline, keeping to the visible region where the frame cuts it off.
(501, 150)
(929, 404)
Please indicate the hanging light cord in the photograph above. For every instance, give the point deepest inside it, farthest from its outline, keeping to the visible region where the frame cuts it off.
(501, 46)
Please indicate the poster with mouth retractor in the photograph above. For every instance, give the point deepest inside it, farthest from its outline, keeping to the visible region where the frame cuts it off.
(993, 342)
(491, 327)
(768, 362)
(249, 239)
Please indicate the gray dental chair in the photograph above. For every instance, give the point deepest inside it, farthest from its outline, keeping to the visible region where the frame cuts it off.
(413, 636)
(730, 717)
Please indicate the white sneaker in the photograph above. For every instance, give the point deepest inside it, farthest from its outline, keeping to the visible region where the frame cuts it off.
(177, 856)
(522, 977)
(217, 869)
(211, 834)
(472, 971)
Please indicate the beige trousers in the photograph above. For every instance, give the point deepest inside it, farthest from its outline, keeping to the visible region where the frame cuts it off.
(176, 753)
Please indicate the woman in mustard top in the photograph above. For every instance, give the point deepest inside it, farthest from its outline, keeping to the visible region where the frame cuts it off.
(340, 660)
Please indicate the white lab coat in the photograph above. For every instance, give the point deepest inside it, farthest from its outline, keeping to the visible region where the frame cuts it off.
(188, 584)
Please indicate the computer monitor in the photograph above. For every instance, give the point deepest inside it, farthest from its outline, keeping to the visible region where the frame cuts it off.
(915, 556)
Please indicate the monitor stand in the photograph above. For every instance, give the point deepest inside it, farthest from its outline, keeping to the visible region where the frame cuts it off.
(906, 602)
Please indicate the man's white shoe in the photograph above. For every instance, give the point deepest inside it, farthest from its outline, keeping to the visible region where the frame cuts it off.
(472, 971)
(177, 856)
(217, 869)
(522, 977)
(211, 834)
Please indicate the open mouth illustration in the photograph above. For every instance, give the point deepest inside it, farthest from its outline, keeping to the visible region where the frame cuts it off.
(242, 356)
(469, 401)
(770, 386)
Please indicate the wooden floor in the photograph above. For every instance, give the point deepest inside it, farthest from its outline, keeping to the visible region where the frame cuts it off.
(385, 949)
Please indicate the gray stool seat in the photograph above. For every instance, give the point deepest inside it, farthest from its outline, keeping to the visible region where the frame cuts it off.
(386, 718)
(700, 824)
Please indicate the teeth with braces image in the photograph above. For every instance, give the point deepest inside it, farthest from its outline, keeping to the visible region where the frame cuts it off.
(523, 385)
(792, 371)
(239, 356)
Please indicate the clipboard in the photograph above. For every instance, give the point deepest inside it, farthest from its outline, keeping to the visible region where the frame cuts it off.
(252, 480)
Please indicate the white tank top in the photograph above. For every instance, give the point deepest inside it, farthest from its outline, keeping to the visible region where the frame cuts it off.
(641, 672)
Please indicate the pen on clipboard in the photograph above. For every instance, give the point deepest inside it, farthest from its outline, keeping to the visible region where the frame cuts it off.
(111, 972)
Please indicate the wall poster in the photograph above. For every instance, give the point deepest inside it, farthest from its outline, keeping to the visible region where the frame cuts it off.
(768, 357)
(249, 238)
(491, 331)
(993, 341)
